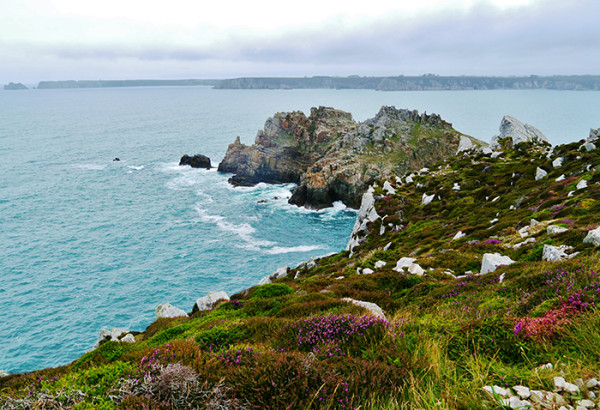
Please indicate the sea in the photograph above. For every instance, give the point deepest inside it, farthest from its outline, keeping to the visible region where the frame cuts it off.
(88, 243)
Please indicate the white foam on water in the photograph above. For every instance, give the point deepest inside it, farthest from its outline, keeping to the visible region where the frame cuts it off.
(277, 250)
(137, 168)
(92, 167)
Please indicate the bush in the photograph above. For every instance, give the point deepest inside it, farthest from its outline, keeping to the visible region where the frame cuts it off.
(271, 290)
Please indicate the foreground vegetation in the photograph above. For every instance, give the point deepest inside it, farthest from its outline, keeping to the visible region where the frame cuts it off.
(296, 343)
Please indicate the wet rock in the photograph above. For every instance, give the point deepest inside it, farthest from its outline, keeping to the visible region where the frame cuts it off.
(195, 161)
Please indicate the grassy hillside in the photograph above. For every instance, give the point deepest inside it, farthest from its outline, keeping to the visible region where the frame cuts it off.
(447, 332)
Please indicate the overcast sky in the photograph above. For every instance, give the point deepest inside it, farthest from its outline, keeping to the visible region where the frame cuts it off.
(127, 39)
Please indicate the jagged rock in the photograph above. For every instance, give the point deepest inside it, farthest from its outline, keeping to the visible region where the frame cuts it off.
(387, 187)
(525, 242)
(593, 237)
(522, 391)
(491, 261)
(281, 272)
(560, 384)
(594, 134)
(555, 253)
(409, 180)
(371, 307)
(540, 173)
(518, 132)
(515, 403)
(129, 338)
(582, 184)
(588, 146)
(426, 199)
(209, 301)
(380, 264)
(465, 144)
(330, 156)
(112, 335)
(557, 163)
(410, 265)
(195, 161)
(555, 229)
(458, 236)
(560, 178)
(496, 390)
(367, 213)
(168, 310)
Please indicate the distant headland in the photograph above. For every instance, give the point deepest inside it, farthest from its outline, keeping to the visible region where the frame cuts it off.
(426, 82)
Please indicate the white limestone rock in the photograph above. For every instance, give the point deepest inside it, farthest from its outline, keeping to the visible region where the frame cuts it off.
(557, 163)
(281, 272)
(465, 144)
(3, 373)
(111, 335)
(380, 264)
(593, 237)
(594, 134)
(555, 253)
(540, 173)
(560, 178)
(582, 184)
(168, 310)
(456, 187)
(387, 187)
(560, 384)
(517, 131)
(367, 213)
(458, 236)
(409, 179)
(555, 229)
(209, 301)
(522, 391)
(426, 199)
(371, 307)
(585, 403)
(589, 146)
(410, 265)
(367, 271)
(491, 261)
(497, 391)
(515, 403)
(486, 150)
(525, 242)
(128, 338)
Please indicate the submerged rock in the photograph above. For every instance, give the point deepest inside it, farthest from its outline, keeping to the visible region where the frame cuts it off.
(196, 161)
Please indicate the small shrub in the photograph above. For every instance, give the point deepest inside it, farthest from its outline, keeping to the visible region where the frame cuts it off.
(271, 290)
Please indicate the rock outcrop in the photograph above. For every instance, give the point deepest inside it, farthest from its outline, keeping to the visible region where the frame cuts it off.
(333, 158)
(210, 301)
(15, 86)
(167, 310)
(517, 132)
(195, 161)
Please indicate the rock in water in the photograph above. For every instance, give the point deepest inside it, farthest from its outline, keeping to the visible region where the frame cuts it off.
(333, 158)
(196, 161)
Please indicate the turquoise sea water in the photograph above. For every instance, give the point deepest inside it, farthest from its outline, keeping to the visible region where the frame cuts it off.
(87, 243)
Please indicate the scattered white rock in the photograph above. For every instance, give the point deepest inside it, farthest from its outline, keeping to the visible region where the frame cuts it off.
(495, 199)
(426, 199)
(560, 384)
(591, 383)
(399, 180)
(209, 301)
(380, 264)
(589, 146)
(3, 373)
(340, 278)
(128, 338)
(523, 232)
(533, 222)
(409, 179)
(585, 403)
(555, 253)
(456, 187)
(371, 307)
(557, 163)
(387, 187)
(593, 237)
(515, 403)
(497, 390)
(560, 178)
(511, 127)
(496, 154)
(381, 230)
(410, 265)
(547, 366)
(571, 193)
(281, 272)
(109, 336)
(582, 184)
(464, 144)
(522, 391)
(525, 242)
(486, 151)
(540, 173)
(367, 271)
(555, 229)
(493, 221)
(367, 213)
(491, 261)
(458, 235)
(386, 247)
(501, 277)
(168, 310)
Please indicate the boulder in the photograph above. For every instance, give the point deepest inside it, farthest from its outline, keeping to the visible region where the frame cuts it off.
(112, 335)
(593, 237)
(128, 338)
(465, 144)
(458, 236)
(367, 213)
(167, 310)
(387, 187)
(522, 391)
(208, 302)
(491, 261)
(582, 184)
(380, 264)
(540, 173)
(557, 163)
(560, 384)
(515, 403)
(426, 199)
(594, 135)
(496, 391)
(410, 265)
(371, 307)
(556, 253)
(518, 132)
(195, 161)
(281, 272)
(555, 229)
(367, 271)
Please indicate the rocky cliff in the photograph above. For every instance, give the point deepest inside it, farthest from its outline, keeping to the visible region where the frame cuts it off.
(333, 158)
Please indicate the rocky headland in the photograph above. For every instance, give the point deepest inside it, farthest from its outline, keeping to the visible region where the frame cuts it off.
(15, 86)
(333, 158)
(472, 284)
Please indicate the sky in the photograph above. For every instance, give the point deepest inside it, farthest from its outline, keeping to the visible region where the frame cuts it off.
(177, 39)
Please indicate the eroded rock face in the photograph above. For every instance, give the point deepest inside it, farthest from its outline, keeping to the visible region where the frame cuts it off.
(333, 158)
(518, 132)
